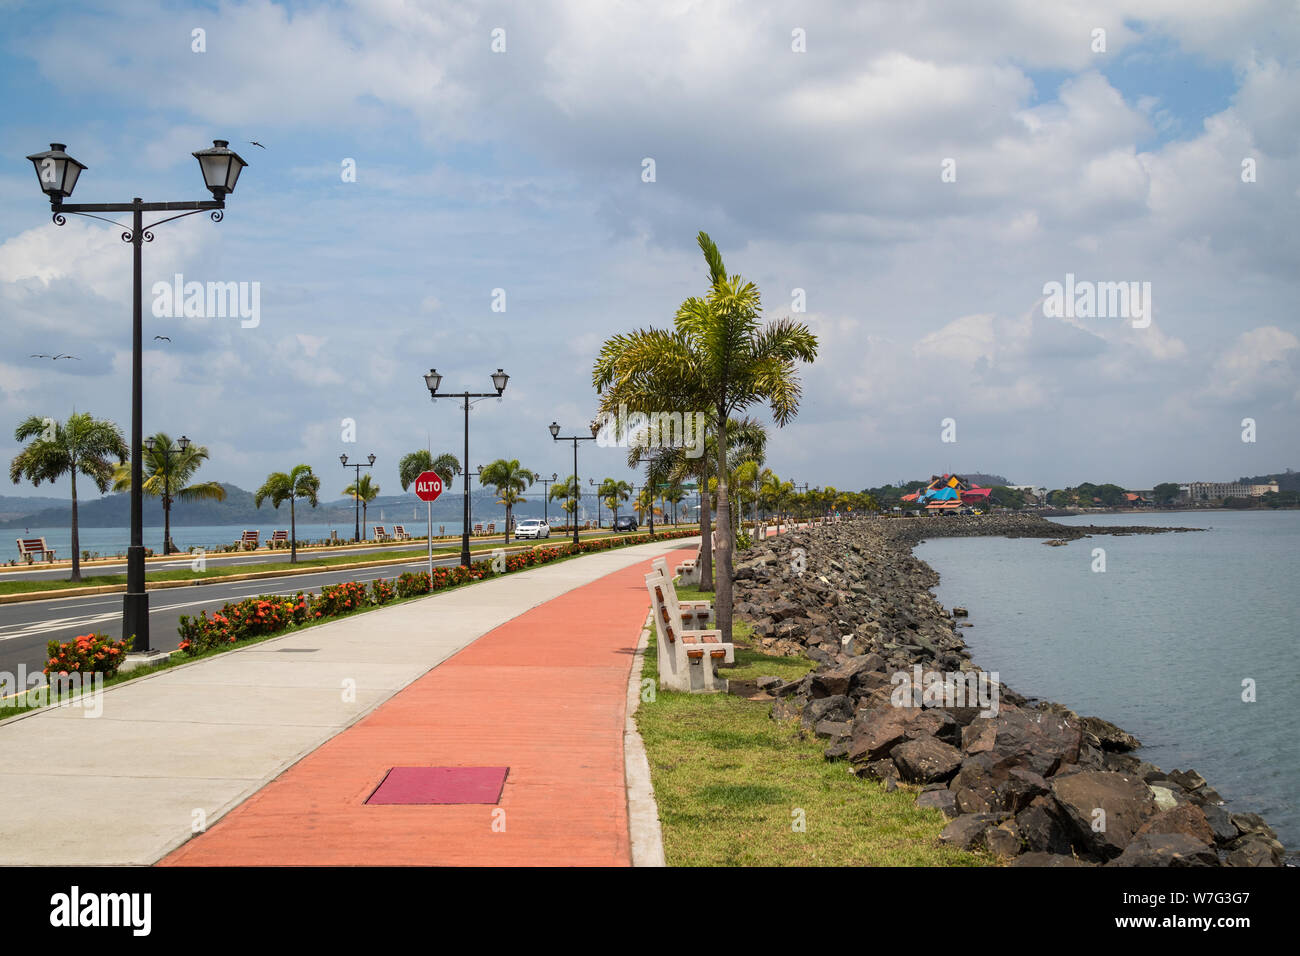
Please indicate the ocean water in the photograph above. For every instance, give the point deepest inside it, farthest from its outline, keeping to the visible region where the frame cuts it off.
(110, 541)
(1160, 642)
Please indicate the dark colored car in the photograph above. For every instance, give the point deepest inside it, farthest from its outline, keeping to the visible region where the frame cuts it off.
(625, 523)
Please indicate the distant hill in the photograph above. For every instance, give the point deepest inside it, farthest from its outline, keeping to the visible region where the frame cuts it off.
(114, 511)
(982, 480)
(1288, 480)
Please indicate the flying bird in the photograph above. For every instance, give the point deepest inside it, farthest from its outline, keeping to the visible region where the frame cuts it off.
(52, 357)
(163, 337)
(253, 142)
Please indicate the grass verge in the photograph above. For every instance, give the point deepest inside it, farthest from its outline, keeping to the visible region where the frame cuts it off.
(732, 784)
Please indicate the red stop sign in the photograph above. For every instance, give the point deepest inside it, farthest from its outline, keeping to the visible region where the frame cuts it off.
(428, 486)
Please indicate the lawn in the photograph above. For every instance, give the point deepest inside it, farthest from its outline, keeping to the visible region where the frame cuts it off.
(734, 786)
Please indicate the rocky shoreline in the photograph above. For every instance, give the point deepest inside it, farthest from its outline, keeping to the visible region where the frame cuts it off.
(896, 696)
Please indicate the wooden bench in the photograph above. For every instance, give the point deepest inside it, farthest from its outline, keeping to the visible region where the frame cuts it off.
(30, 547)
(399, 532)
(695, 614)
(279, 536)
(492, 527)
(381, 533)
(249, 539)
(687, 656)
(478, 529)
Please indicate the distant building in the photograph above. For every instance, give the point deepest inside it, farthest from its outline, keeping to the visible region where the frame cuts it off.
(1206, 490)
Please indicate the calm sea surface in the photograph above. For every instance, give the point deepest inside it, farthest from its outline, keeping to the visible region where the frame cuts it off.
(1159, 643)
(111, 541)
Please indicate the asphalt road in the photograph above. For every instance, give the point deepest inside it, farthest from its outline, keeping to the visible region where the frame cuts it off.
(37, 572)
(26, 627)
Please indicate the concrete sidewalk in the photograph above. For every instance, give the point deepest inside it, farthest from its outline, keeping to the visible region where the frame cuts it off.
(173, 753)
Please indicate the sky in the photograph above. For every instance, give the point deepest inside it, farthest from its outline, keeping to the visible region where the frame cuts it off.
(908, 179)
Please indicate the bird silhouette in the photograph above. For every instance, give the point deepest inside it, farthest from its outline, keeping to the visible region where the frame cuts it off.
(163, 337)
(53, 357)
(253, 142)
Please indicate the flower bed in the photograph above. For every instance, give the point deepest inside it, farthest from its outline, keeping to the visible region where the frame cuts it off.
(87, 654)
(270, 614)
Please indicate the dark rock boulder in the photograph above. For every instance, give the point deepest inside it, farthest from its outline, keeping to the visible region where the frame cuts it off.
(1166, 849)
(966, 832)
(1105, 808)
(941, 800)
(1048, 860)
(1187, 819)
(926, 759)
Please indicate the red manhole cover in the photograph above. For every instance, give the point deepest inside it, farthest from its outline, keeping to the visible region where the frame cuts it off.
(415, 785)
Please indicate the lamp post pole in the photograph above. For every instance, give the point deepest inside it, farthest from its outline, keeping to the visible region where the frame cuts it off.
(432, 381)
(546, 484)
(57, 173)
(356, 490)
(592, 482)
(577, 483)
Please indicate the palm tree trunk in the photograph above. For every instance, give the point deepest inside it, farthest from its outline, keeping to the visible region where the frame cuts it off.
(706, 525)
(167, 525)
(76, 537)
(363, 518)
(722, 605)
(293, 534)
(507, 544)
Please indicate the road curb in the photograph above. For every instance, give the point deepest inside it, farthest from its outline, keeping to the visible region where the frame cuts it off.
(644, 833)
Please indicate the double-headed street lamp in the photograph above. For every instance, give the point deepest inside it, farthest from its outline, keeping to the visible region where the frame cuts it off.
(57, 173)
(356, 488)
(555, 435)
(432, 381)
(166, 453)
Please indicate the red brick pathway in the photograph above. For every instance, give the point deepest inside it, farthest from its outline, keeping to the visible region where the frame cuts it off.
(544, 694)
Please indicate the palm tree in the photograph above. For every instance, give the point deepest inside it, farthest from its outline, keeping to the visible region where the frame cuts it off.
(82, 445)
(167, 467)
(510, 479)
(279, 488)
(367, 491)
(674, 494)
(615, 492)
(720, 359)
(417, 463)
(566, 492)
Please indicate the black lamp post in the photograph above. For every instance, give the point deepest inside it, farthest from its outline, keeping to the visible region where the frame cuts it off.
(546, 483)
(356, 489)
(432, 381)
(592, 483)
(57, 173)
(577, 491)
(166, 452)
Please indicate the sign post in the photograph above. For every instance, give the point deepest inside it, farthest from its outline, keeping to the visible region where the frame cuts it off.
(428, 486)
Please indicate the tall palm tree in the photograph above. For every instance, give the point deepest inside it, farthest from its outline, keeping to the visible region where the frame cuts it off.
(720, 359)
(167, 467)
(279, 488)
(81, 445)
(417, 463)
(567, 493)
(614, 491)
(509, 478)
(365, 490)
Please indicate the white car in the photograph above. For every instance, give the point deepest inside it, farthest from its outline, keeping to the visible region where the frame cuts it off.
(532, 528)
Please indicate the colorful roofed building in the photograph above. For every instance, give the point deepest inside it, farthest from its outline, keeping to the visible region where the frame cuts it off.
(946, 492)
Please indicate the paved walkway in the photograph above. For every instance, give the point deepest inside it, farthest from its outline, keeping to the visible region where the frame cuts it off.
(542, 693)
